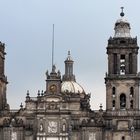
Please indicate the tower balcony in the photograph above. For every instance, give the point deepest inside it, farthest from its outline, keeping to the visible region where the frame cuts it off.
(122, 41)
(126, 76)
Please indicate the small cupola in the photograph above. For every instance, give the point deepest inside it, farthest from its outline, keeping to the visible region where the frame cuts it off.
(69, 83)
(122, 27)
(69, 76)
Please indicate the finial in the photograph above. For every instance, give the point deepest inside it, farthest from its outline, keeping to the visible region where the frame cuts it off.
(47, 73)
(122, 13)
(69, 56)
(59, 73)
(68, 53)
(101, 106)
(28, 93)
(53, 68)
(28, 96)
(42, 93)
(21, 106)
(38, 93)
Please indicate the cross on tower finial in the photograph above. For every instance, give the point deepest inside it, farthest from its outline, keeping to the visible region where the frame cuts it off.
(122, 13)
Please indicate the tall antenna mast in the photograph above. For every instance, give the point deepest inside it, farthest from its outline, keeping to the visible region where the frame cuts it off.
(53, 47)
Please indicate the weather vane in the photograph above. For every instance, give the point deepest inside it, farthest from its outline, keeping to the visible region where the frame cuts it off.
(122, 13)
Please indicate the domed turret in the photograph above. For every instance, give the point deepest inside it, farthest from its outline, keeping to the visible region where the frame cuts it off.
(122, 27)
(69, 83)
(71, 87)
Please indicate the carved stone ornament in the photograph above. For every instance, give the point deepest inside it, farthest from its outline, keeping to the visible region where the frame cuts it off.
(52, 127)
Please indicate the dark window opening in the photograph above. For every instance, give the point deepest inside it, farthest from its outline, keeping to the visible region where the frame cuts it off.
(123, 138)
(122, 101)
(122, 65)
(130, 64)
(122, 41)
(115, 63)
(113, 91)
(131, 104)
(113, 104)
(131, 92)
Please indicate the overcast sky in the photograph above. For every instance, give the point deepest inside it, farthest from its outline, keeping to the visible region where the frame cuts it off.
(81, 26)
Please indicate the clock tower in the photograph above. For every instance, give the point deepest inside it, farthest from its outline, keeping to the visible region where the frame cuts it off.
(53, 82)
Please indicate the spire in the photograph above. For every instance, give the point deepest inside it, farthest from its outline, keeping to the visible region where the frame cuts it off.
(69, 76)
(122, 27)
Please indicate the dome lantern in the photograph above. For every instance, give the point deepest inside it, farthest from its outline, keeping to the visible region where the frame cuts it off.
(69, 69)
(69, 83)
(122, 27)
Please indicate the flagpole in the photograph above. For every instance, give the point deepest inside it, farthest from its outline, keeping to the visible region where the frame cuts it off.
(53, 47)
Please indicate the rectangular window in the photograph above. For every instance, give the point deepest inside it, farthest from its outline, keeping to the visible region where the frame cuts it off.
(115, 63)
(122, 65)
(130, 63)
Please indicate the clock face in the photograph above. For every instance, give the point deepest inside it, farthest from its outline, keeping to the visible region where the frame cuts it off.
(52, 127)
(53, 88)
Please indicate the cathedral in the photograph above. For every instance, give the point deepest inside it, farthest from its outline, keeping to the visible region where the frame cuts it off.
(62, 111)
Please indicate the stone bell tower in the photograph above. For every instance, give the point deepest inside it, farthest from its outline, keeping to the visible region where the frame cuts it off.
(122, 79)
(3, 79)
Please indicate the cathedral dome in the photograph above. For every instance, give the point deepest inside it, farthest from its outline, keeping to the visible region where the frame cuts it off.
(122, 27)
(71, 87)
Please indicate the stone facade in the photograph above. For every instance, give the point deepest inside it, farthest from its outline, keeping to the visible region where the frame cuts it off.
(62, 111)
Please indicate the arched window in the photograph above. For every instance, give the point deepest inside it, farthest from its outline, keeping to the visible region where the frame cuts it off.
(123, 138)
(113, 91)
(131, 92)
(41, 127)
(122, 101)
(64, 127)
